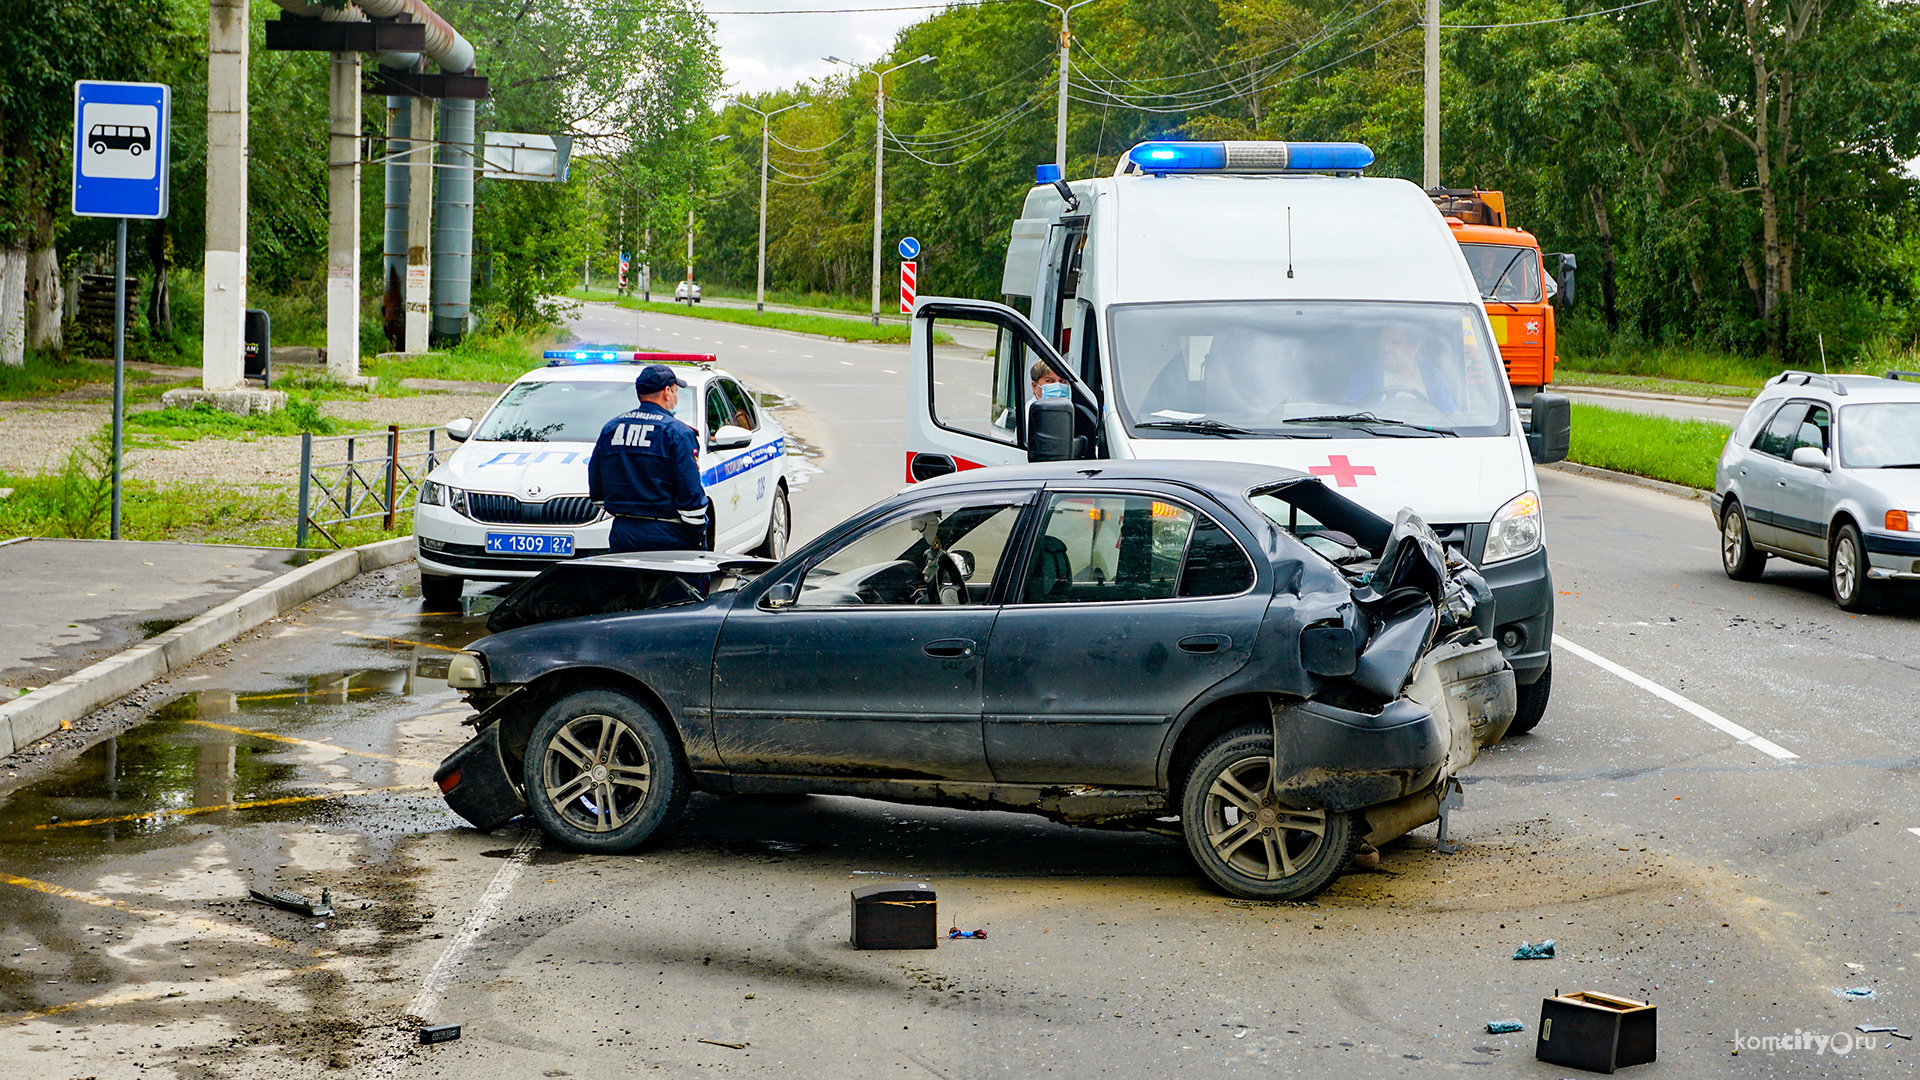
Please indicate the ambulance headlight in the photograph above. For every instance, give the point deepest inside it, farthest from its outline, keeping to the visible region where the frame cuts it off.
(1517, 529)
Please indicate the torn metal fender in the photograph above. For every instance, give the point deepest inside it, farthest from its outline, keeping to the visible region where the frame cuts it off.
(1471, 687)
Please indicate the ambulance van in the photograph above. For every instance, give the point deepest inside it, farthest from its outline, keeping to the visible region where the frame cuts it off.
(1264, 302)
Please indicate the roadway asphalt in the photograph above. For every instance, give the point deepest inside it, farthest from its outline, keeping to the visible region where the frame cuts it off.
(1717, 815)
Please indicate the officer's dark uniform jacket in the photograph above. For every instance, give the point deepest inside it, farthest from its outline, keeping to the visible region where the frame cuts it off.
(645, 468)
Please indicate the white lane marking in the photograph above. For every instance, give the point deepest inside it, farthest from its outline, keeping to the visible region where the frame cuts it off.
(1765, 746)
(1915, 832)
(428, 999)
(889, 371)
(848, 363)
(806, 356)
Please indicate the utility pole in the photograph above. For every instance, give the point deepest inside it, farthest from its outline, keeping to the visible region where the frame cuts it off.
(343, 216)
(1430, 173)
(1060, 123)
(760, 288)
(879, 149)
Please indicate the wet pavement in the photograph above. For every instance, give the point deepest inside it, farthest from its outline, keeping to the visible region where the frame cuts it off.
(65, 604)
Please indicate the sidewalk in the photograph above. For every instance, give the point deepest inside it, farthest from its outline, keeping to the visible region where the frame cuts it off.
(83, 622)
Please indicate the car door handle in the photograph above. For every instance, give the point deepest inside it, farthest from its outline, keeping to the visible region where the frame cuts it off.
(1205, 643)
(949, 648)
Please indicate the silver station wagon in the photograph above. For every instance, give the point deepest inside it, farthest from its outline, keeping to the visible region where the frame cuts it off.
(1825, 470)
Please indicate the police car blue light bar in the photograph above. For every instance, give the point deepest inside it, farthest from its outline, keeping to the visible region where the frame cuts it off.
(594, 354)
(1159, 158)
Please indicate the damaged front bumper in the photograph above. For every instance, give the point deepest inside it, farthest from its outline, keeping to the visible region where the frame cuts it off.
(477, 785)
(1461, 698)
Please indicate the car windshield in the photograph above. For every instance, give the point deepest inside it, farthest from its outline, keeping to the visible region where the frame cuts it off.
(1885, 435)
(1307, 369)
(1505, 271)
(539, 411)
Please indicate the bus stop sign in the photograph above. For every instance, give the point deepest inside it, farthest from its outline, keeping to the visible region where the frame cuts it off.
(120, 149)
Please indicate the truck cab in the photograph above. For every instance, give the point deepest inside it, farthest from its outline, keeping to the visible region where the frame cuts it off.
(1253, 301)
(1514, 284)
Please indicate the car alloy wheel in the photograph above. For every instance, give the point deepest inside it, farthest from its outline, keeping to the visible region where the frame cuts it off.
(1847, 571)
(601, 772)
(1245, 839)
(1737, 556)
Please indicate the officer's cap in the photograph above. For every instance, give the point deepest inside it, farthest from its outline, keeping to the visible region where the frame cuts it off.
(655, 378)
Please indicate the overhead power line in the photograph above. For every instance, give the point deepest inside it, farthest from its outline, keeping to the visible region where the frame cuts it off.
(1544, 22)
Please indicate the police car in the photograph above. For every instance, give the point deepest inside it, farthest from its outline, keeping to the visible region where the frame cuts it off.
(512, 499)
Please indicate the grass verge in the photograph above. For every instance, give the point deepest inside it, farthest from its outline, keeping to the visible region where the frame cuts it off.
(1563, 378)
(203, 421)
(827, 326)
(1657, 447)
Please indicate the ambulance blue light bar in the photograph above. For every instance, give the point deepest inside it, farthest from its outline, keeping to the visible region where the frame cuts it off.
(595, 354)
(1159, 158)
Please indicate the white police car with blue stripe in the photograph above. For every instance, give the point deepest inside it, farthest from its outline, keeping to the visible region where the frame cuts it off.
(512, 499)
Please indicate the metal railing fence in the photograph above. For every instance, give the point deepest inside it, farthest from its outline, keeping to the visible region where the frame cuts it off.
(380, 473)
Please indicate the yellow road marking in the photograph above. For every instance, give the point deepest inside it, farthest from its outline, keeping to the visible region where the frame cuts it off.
(310, 744)
(186, 810)
(109, 1000)
(204, 925)
(400, 640)
(307, 693)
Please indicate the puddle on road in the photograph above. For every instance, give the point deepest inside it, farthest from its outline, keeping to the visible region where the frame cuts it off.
(186, 766)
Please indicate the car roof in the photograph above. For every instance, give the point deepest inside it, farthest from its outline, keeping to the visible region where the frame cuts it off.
(1218, 478)
(1859, 389)
(620, 371)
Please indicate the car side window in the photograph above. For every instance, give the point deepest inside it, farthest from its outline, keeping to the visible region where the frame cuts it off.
(1103, 548)
(719, 413)
(1777, 437)
(928, 557)
(739, 406)
(1813, 430)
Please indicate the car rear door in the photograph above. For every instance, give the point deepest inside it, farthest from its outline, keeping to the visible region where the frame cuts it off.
(865, 674)
(1131, 604)
(740, 480)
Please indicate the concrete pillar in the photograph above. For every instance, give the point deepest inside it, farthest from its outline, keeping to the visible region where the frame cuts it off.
(223, 344)
(343, 216)
(419, 286)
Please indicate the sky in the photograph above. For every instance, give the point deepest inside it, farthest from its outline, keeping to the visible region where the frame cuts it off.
(772, 52)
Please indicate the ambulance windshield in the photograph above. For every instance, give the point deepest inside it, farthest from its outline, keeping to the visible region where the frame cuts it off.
(1307, 369)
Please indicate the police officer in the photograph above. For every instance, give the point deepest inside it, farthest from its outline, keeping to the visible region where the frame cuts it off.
(645, 469)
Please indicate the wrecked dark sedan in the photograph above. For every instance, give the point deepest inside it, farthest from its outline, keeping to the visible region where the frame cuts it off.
(1229, 653)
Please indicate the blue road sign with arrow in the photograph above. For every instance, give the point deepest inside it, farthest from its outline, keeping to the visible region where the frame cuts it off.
(909, 248)
(120, 149)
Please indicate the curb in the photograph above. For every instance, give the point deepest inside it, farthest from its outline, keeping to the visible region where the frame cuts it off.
(1678, 491)
(31, 717)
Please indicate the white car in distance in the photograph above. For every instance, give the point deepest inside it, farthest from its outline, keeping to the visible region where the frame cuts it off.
(512, 499)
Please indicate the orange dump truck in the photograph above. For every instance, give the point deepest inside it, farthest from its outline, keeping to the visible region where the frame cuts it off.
(1514, 283)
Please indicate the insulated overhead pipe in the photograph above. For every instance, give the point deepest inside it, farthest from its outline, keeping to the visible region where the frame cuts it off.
(453, 223)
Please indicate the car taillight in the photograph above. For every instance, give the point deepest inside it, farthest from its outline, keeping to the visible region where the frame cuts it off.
(450, 781)
(1896, 521)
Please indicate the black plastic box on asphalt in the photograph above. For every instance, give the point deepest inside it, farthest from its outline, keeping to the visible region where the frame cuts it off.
(897, 915)
(1596, 1032)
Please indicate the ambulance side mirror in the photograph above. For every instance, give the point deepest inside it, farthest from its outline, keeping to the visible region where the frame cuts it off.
(1550, 429)
(730, 437)
(1050, 429)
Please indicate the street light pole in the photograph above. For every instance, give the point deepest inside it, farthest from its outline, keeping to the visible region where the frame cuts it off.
(1060, 123)
(760, 287)
(879, 147)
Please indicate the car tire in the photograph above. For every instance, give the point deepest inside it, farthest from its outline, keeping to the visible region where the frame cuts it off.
(601, 773)
(1532, 703)
(779, 526)
(1853, 590)
(440, 591)
(1294, 854)
(1737, 556)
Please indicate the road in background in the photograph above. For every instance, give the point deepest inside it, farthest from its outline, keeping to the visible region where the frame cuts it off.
(1719, 410)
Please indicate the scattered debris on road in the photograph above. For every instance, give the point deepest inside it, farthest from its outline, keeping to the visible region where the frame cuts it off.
(956, 932)
(1504, 1027)
(439, 1033)
(1542, 951)
(728, 1045)
(299, 905)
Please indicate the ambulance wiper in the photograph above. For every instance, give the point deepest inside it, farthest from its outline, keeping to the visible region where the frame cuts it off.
(1198, 426)
(1367, 419)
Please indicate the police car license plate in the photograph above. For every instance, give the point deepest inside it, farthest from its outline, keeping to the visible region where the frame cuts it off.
(529, 544)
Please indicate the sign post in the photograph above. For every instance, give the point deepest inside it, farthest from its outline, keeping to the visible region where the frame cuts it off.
(909, 272)
(121, 150)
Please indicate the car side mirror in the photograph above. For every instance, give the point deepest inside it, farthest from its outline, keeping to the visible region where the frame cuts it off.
(729, 437)
(1563, 295)
(1811, 457)
(1050, 429)
(778, 596)
(963, 562)
(1550, 431)
(460, 430)
(1329, 651)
